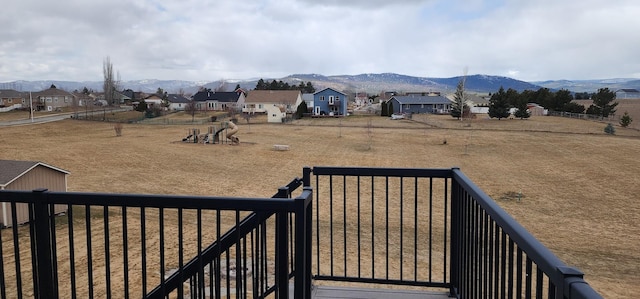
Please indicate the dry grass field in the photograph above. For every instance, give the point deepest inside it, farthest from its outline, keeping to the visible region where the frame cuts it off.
(580, 187)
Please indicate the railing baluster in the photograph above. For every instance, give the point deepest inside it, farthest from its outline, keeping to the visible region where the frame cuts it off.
(125, 252)
(107, 262)
(344, 222)
(88, 234)
(16, 249)
(143, 245)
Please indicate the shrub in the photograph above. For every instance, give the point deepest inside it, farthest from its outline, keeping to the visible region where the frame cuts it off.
(609, 129)
(118, 128)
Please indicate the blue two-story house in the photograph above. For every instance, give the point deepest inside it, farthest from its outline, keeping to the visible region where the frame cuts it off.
(329, 102)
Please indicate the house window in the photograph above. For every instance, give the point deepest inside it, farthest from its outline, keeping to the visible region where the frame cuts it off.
(49, 100)
(55, 99)
(260, 106)
(337, 98)
(10, 100)
(407, 106)
(322, 98)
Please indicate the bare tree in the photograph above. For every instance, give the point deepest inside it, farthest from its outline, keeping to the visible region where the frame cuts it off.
(110, 84)
(191, 108)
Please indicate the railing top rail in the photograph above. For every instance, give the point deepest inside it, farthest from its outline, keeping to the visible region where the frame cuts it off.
(541, 255)
(150, 201)
(383, 172)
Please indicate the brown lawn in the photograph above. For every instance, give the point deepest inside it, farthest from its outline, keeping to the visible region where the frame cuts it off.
(580, 186)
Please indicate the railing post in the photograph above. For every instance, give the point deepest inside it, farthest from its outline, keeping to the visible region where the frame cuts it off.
(282, 274)
(454, 279)
(302, 283)
(306, 176)
(44, 256)
(572, 280)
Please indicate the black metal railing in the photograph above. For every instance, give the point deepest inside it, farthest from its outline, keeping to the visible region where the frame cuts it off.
(380, 225)
(156, 246)
(429, 228)
(495, 257)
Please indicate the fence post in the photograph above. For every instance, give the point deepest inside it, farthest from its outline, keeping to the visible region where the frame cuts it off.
(44, 256)
(282, 273)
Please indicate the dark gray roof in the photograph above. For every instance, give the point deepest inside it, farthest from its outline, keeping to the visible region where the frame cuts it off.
(10, 93)
(176, 98)
(12, 169)
(330, 89)
(421, 100)
(227, 96)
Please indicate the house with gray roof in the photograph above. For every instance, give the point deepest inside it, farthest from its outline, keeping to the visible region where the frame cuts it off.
(219, 100)
(177, 102)
(53, 98)
(13, 98)
(627, 93)
(429, 103)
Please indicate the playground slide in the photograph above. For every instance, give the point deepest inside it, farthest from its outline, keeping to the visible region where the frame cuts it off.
(232, 130)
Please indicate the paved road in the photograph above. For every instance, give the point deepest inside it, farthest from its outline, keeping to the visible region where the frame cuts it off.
(48, 118)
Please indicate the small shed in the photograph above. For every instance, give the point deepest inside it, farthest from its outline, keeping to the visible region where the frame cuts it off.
(29, 175)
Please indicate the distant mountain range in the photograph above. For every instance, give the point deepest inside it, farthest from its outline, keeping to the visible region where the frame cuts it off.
(372, 83)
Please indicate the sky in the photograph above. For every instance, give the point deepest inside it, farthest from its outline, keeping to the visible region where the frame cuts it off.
(199, 40)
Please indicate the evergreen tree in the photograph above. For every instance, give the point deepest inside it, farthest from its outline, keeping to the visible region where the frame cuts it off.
(390, 108)
(625, 120)
(309, 88)
(237, 87)
(512, 96)
(603, 100)
(499, 105)
(385, 109)
(560, 100)
(543, 97)
(459, 108)
(302, 109)
(261, 85)
(142, 106)
(522, 111)
(573, 108)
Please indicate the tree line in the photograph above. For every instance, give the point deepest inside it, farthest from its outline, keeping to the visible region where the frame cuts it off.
(280, 85)
(502, 101)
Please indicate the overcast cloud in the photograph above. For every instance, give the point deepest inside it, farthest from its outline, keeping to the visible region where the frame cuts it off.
(230, 39)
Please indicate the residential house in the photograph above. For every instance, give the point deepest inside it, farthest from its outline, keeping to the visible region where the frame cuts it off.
(421, 104)
(154, 100)
(13, 99)
(119, 98)
(27, 176)
(478, 103)
(308, 99)
(177, 102)
(134, 95)
(627, 93)
(52, 99)
(329, 102)
(362, 99)
(219, 100)
(261, 101)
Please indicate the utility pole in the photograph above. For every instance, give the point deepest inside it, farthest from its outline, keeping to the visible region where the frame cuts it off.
(31, 106)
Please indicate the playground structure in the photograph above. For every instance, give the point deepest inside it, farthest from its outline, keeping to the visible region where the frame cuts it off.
(225, 133)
